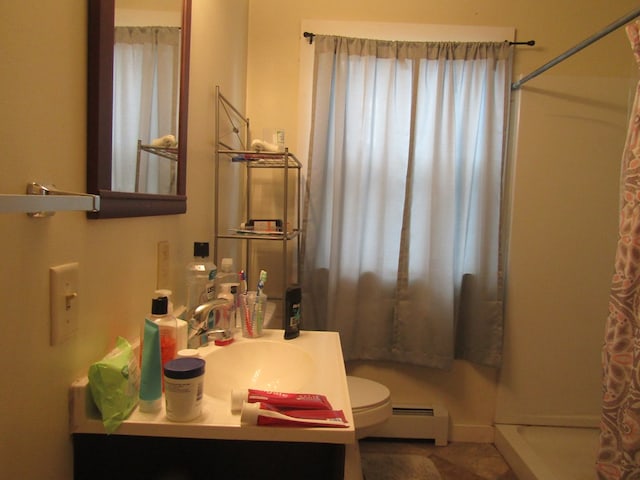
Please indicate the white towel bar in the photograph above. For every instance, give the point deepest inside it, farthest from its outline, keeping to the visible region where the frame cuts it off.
(45, 200)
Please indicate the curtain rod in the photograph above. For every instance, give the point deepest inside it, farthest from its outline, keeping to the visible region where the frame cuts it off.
(585, 43)
(309, 36)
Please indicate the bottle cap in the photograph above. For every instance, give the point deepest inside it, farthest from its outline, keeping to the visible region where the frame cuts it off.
(163, 292)
(238, 397)
(184, 368)
(250, 413)
(159, 306)
(201, 249)
(188, 352)
(150, 406)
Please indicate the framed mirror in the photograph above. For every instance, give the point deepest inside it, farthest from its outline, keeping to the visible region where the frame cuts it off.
(157, 149)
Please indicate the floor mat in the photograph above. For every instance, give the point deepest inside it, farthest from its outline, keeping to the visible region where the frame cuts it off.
(383, 466)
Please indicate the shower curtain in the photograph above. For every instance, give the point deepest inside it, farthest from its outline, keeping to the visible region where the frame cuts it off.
(619, 452)
(402, 214)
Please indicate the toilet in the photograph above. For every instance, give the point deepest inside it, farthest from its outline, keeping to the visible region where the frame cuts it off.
(371, 407)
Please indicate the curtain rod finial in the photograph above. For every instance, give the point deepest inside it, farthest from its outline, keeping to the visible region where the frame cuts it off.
(531, 43)
(309, 36)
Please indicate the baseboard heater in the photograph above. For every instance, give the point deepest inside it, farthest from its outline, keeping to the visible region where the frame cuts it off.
(417, 422)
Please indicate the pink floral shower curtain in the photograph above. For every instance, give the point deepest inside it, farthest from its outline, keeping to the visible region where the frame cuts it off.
(619, 454)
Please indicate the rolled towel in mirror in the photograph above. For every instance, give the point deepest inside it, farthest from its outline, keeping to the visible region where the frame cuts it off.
(168, 141)
(262, 146)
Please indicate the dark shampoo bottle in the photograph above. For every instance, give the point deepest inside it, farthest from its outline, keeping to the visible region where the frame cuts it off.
(292, 316)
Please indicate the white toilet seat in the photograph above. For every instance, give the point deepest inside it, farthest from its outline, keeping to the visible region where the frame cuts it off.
(370, 404)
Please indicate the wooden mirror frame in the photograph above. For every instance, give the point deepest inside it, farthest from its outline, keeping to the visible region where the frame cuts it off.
(100, 116)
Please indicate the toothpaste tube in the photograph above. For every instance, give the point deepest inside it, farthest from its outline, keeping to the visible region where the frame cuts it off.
(264, 414)
(294, 401)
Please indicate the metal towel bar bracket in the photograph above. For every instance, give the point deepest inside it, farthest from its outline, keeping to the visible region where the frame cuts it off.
(44, 200)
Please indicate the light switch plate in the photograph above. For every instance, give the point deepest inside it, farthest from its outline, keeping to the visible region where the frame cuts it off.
(64, 301)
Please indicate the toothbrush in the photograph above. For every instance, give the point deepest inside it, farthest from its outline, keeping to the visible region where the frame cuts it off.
(247, 319)
(247, 315)
(261, 281)
(263, 278)
(243, 279)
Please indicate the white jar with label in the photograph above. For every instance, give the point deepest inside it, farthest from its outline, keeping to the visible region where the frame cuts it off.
(184, 388)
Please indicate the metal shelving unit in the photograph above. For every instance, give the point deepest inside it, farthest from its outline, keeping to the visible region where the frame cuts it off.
(170, 153)
(232, 140)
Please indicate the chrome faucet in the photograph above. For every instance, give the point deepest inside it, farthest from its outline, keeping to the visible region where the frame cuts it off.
(199, 323)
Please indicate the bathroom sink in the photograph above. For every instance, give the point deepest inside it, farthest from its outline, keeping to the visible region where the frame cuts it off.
(312, 363)
(258, 364)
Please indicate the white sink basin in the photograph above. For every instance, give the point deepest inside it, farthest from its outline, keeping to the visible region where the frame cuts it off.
(259, 364)
(312, 363)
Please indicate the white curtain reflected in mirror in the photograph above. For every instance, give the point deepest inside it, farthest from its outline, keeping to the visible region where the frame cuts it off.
(145, 109)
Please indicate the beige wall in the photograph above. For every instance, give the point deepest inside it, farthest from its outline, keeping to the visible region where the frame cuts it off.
(564, 184)
(571, 135)
(42, 105)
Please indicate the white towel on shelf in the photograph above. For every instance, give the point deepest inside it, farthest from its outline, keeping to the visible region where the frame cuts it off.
(168, 141)
(262, 146)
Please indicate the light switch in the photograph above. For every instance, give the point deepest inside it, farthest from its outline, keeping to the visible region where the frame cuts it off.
(64, 301)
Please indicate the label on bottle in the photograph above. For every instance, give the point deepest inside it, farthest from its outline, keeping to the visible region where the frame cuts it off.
(294, 318)
(210, 291)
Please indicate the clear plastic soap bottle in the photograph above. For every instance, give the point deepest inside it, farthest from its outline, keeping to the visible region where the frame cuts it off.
(201, 277)
(227, 315)
(227, 284)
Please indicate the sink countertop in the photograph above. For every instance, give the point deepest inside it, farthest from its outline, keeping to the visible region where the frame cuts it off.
(217, 421)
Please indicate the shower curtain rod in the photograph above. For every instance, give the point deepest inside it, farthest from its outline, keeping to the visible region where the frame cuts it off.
(585, 43)
(309, 36)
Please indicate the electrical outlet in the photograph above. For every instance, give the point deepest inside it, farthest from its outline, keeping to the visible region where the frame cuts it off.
(162, 280)
(64, 301)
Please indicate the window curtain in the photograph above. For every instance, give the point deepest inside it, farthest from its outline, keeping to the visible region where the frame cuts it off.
(401, 252)
(145, 100)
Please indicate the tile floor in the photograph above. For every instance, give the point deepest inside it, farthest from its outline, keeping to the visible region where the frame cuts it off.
(456, 461)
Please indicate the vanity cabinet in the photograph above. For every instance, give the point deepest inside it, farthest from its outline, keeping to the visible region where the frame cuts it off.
(124, 457)
(217, 445)
(257, 203)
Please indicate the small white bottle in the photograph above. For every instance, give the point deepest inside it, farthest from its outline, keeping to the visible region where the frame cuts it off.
(227, 283)
(167, 326)
(181, 326)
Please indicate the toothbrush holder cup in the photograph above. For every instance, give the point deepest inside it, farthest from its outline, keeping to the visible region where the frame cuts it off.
(253, 308)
